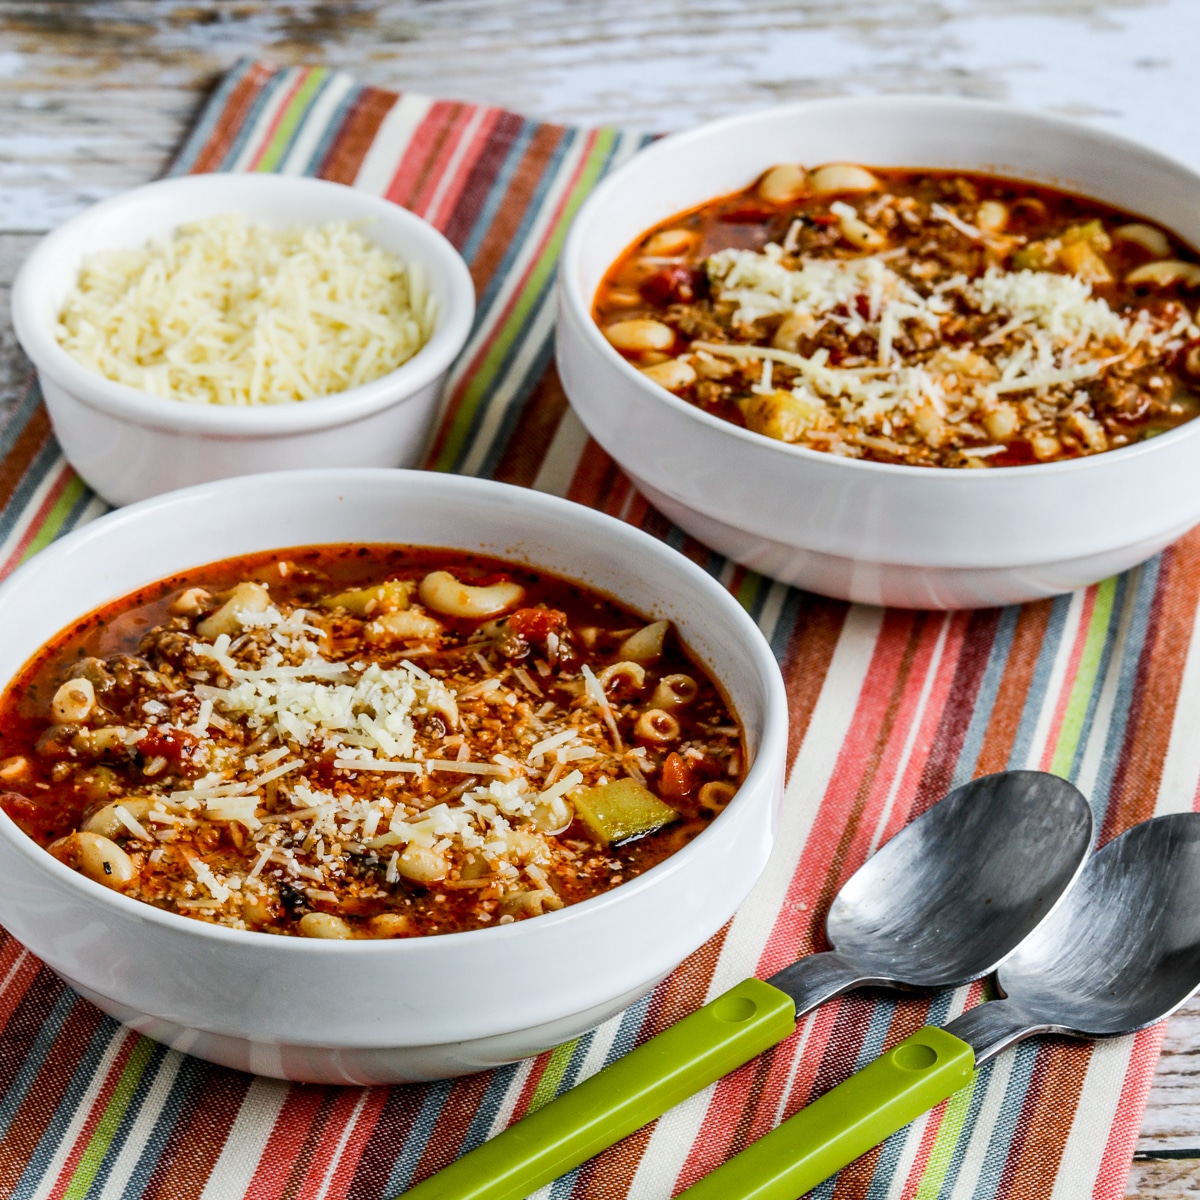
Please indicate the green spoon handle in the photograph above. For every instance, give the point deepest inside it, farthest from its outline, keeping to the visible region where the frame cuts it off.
(819, 1140)
(632, 1091)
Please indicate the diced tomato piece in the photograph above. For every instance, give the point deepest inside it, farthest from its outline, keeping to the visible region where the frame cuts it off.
(677, 779)
(675, 284)
(536, 624)
(175, 745)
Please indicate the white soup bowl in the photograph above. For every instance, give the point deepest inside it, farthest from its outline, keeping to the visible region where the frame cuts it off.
(129, 444)
(874, 532)
(421, 1008)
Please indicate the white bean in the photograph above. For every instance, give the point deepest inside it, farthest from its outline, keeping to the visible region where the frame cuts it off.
(388, 925)
(842, 177)
(783, 184)
(407, 625)
(640, 333)
(102, 741)
(443, 593)
(674, 374)
(256, 909)
(992, 216)
(716, 368)
(421, 864)
(860, 235)
(667, 243)
(245, 598)
(106, 821)
(101, 859)
(73, 701)
(324, 925)
(624, 298)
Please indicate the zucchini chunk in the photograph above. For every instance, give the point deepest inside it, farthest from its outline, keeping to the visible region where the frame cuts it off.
(370, 601)
(615, 812)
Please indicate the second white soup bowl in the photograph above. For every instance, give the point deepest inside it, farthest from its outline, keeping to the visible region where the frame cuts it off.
(875, 532)
(410, 1009)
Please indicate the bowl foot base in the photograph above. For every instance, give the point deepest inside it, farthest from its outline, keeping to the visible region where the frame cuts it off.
(899, 586)
(363, 1065)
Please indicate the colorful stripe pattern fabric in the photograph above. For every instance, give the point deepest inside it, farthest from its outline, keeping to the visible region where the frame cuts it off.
(888, 711)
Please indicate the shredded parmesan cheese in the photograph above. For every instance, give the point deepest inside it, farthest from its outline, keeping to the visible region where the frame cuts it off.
(1071, 334)
(229, 313)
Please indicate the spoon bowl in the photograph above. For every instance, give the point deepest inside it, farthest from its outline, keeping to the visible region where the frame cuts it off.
(954, 892)
(1122, 951)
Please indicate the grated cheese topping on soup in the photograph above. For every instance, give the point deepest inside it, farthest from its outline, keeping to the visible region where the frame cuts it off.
(226, 312)
(1067, 334)
(925, 318)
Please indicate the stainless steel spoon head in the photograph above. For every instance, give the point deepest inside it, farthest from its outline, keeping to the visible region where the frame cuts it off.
(955, 891)
(1123, 950)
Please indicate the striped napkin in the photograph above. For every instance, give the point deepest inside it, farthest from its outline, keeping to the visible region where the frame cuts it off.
(888, 711)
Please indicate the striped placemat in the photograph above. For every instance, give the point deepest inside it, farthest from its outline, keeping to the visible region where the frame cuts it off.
(888, 711)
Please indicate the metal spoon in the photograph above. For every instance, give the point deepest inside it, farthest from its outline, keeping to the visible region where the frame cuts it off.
(950, 896)
(1120, 953)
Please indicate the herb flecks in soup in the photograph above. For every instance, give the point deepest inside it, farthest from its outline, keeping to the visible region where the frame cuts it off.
(925, 318)
(365, 741)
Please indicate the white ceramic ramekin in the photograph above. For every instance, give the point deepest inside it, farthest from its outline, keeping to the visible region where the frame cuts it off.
(128, 444)
(423, 1008)
(872, 532)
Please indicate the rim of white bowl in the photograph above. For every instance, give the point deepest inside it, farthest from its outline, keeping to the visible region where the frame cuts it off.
(772, 743)
(451, 329)
(579, 307)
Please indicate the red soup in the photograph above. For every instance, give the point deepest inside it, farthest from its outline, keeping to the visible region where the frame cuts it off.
(365, 741)
(926, 318)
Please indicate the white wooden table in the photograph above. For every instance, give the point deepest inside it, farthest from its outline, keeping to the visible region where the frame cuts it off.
(96, 94)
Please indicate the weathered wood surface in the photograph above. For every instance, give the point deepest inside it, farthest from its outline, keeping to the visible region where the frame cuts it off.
(95, 96)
